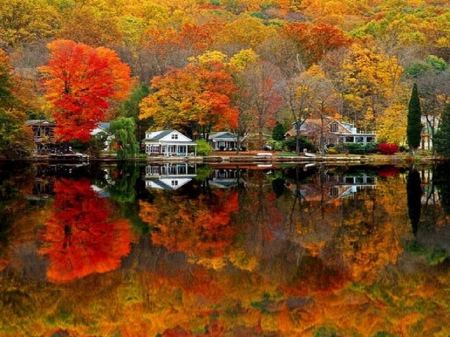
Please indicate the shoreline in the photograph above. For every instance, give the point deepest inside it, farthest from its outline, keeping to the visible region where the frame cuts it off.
(255, 159)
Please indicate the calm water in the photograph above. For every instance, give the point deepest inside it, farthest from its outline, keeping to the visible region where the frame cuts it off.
(136, 250)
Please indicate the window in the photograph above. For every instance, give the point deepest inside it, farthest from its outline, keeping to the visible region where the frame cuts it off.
(334, 127)
(174, 182)
(174, 136)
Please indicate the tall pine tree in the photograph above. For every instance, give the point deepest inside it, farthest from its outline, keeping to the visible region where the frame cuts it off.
(414, 127)
(441, 139)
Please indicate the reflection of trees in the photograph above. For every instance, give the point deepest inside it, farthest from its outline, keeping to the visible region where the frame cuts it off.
(442, 181)
(414, 194)
(15, 181)
(83, 235)
(200, 226)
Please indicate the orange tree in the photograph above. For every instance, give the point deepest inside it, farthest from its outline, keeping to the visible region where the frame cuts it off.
(196, 98)
(80, 81)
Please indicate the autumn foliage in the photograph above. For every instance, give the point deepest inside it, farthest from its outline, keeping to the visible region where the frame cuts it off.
(387, 148)
(80, 81)
(83, 235)
(200, 227)
(196, 98)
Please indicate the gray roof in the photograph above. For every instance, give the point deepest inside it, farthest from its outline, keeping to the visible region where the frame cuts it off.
(162, 134)
(39, 122)
(223, 135)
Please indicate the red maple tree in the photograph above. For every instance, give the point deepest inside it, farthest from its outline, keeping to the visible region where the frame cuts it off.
(80, 81)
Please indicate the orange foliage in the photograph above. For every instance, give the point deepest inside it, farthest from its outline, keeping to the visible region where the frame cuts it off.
(197, 227)
(79, 80)
(83, 235)
(315, 40)
(195, 96)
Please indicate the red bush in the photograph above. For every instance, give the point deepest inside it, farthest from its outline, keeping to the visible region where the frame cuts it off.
(387, 148)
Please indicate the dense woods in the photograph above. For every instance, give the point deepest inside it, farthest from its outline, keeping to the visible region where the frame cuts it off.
(216, 65)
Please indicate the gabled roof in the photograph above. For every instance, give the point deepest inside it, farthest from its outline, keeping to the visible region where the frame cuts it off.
(223, 135)
(39, 122)
(157, 135)
(165, 137)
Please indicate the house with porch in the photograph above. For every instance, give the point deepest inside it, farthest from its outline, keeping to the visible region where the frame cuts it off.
(168, 143)
(43, 134)
(223, 141)
(169, 176)
(329, 131)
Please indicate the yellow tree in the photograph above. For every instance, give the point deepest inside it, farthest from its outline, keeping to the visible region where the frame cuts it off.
(370, 82)
(26, 21)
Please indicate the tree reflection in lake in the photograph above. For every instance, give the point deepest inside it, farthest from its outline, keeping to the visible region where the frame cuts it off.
(146, 250)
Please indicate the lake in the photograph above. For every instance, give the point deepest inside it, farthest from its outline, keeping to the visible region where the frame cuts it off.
(128, 249)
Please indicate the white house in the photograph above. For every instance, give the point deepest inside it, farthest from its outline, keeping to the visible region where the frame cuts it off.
(168, 143)
(169, 176)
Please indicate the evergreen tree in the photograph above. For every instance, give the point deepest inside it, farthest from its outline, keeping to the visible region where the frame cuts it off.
(414, 127)
(278, 132)
(441, 140)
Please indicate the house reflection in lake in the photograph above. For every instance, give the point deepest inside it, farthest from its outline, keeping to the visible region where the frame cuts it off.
(332, 186)
(169, 176)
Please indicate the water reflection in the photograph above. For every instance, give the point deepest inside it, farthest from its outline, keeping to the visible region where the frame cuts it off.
(146, 250)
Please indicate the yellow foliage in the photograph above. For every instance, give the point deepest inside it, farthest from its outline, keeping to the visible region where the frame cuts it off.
(242, 59)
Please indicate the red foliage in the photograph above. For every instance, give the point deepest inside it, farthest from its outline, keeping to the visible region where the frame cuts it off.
(78, 81)
(315, 40)
(388, 171)
(82, 236)
(387, 148)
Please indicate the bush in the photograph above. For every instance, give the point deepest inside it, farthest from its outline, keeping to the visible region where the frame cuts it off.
(305, 143)
(387, 148)
(360, 148)
(276, 145)
(203, 148)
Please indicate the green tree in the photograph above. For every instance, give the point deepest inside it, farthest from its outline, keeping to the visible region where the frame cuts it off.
(414, 126)
(278, 132)
(131, 109)
(441, 138)
(122, 130)
(16, 139)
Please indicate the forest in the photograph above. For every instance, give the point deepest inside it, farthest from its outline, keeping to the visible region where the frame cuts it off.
(202, 66)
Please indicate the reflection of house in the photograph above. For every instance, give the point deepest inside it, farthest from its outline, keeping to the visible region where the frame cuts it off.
(169, 176)
(42, 189)
(336, 187)
(224, 178)
(168, 143)
(332, 131)
(43, 133)
(223, 141)
(348, 185)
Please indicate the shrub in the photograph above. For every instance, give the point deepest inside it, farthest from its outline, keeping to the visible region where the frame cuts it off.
(203, 148)
(360, 148)
(276, 145)
(387, 148)
(305, 143)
